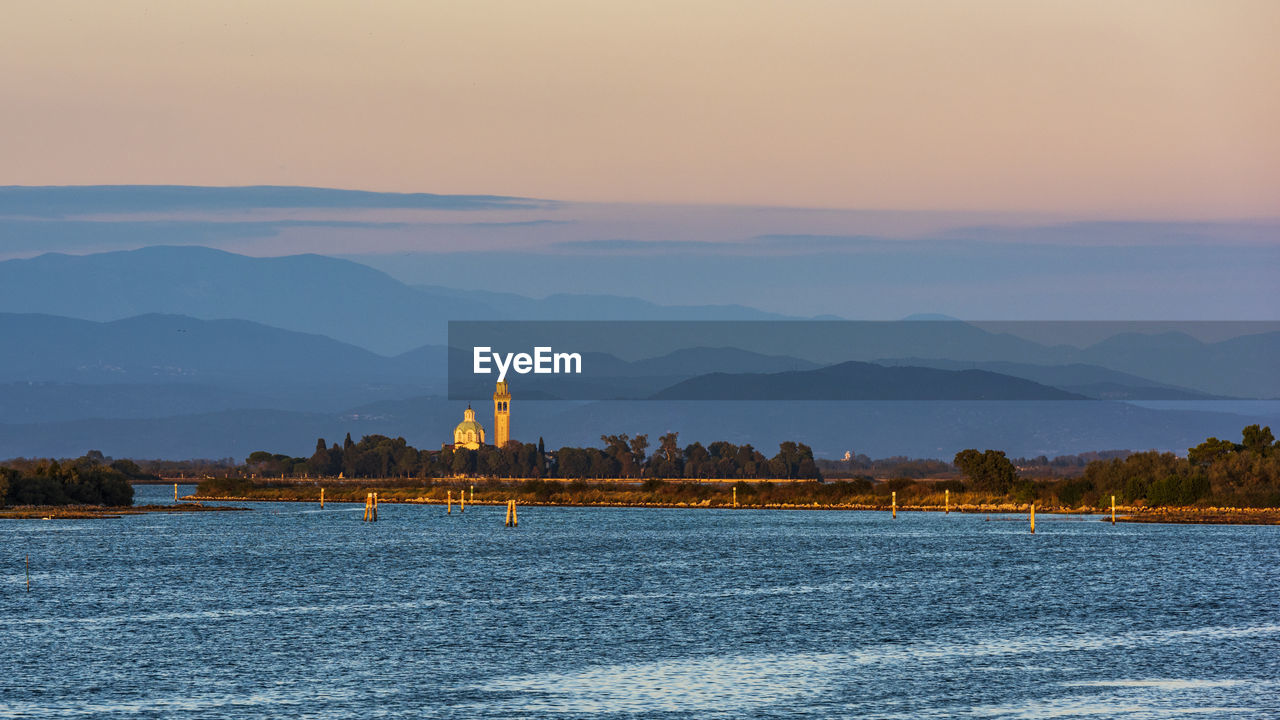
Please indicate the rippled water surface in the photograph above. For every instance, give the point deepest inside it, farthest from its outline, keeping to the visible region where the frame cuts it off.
(289, 611)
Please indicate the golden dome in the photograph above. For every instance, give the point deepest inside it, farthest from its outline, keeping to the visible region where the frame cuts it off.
(469, 433)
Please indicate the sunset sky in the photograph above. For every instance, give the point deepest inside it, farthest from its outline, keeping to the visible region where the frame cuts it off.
(1109, 109)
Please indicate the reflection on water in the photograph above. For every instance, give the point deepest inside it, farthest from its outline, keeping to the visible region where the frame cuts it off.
(697, 685)
(289, 611)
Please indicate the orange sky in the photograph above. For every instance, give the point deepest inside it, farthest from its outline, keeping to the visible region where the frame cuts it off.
(1154, 109)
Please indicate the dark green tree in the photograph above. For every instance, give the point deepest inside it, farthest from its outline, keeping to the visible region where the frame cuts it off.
(5, 476)
(1258, 439)
(988, 471)
(639, 444)
(1210, 451)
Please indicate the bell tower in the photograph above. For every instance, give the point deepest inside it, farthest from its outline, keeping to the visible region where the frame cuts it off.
(501, 414)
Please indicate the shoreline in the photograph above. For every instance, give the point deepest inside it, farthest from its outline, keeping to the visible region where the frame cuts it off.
(1128, 514)
(102, 512)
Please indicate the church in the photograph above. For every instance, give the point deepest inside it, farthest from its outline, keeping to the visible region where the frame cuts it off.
(469, 433)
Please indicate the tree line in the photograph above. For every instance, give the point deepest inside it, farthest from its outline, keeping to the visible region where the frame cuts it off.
(620, 456)
(92, 479)
(1215, 472)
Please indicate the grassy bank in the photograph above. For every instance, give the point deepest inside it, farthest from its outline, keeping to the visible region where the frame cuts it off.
(1202, 516)
(780, 494)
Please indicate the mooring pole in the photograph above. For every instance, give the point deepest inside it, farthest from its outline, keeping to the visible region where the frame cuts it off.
(375, 506)
(895, 503)
(321, 498)
(1113, 509)
(735, 497)
(175, 492)
(947, 500)
(462, 501)
(1033, 518)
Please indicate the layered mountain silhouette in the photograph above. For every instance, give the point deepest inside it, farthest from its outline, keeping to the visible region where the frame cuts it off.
(314, 294)
(863, 381)
(358, 305)
(175, 348)
(186, 351)
(607, 377)
(1089, 380)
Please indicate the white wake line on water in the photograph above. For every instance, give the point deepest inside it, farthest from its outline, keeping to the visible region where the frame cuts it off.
(1151, 698)
(1163, 684)
(229, 613)
(249, 703)
(225, 613)
(686, 684)
(719, 684)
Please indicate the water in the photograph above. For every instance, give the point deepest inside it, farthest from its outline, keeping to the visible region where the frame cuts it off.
(289, 611)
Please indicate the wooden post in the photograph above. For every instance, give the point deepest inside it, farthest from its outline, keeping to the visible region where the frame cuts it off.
(321, 498)
(462, 501)
(895, 503)
(1033, 518)
(375, 506)
(1113, 509)
(735, 497)
(947, 500)
(175, 492)
(515, 518)
(368, 499)
(507, 521)
(449, 508)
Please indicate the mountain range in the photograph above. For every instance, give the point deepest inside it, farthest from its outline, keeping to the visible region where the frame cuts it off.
(186, 351)
(863, 381)
(313, 294)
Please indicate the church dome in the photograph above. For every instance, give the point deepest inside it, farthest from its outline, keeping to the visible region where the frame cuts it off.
(469, 433)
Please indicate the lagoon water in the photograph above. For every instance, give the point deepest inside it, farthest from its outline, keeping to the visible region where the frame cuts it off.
(290, 611)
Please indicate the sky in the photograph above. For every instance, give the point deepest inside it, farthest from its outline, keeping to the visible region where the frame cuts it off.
(1085, 109)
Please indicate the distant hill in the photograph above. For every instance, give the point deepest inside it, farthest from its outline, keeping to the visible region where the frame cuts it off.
(863, 381)
(173, 348)
(1089, 380)
(315, 294)
(1242, 366)
(702, 360)
(361, 306)
(306, 293)
(569, 306)
(54, 369)
(606, 377)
